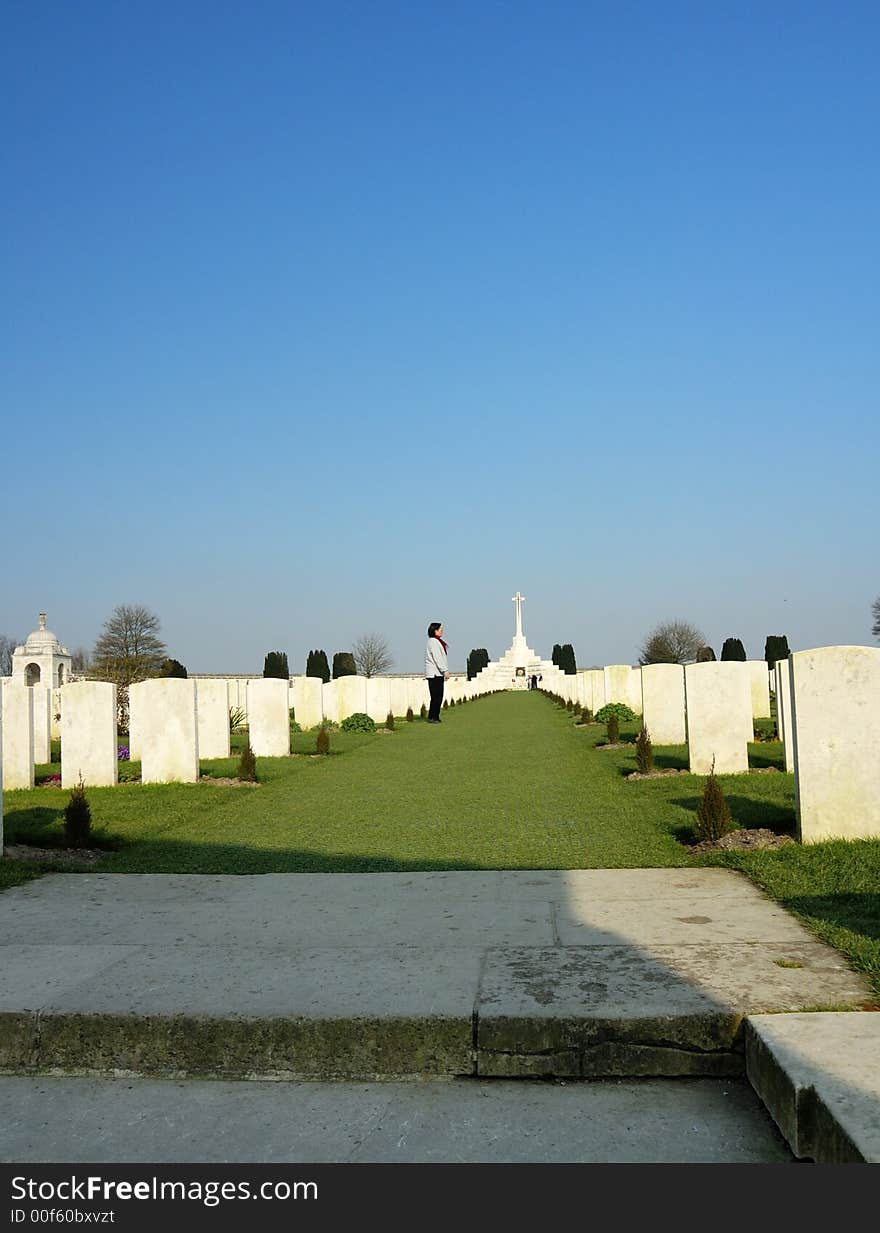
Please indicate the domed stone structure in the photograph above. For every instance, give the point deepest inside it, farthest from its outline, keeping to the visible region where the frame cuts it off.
(42, 660)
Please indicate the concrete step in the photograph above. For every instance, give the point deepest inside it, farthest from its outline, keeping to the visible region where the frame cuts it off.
(819, 1077)
(696, 1121)
(341, 976)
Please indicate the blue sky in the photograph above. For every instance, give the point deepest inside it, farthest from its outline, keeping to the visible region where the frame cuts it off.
(322, 319)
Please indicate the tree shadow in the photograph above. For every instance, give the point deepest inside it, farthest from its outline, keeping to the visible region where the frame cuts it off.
(671, 761)
(41, 827)
(859, 913)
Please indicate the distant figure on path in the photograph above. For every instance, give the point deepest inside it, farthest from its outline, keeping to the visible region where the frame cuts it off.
(436, 663)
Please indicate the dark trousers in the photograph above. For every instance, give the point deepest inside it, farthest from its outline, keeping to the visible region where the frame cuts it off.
(435, 688)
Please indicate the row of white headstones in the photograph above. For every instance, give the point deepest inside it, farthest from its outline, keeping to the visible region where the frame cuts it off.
(827, 702)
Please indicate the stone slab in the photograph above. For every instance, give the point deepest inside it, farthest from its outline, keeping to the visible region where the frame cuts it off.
(18, 736)
(42, 704)
(89, 749)
(719, 717)
(698, 1121)
(670, 1010)
(269, 717)
(163, 725)
(212, 713)
(565, 972)
(835, 726)
(819, 1076)
(663, 703)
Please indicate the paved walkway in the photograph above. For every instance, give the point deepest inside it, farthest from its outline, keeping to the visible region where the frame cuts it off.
(585, 973)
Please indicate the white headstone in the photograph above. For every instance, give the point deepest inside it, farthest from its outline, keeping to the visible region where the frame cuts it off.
(307, 701)
(378, 698)
(597, 689)
(400, 696)
(835, 727)
(269, 717)
(18, 736)
(719, 716)
(167, 730)
(418, 693)
(760, 686)
(212, 698)
(351, 696)
(782, 689)
(663, 703)
(89, 750)
(42, 724)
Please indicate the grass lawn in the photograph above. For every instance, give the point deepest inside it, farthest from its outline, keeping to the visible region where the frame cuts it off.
(505, 782)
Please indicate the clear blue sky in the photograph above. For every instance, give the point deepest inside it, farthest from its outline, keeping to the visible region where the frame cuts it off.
(328, 318)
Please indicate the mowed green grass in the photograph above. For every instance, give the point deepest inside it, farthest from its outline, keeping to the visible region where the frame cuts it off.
(505, 782)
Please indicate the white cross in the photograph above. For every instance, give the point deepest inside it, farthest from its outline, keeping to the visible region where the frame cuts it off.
(519, 600)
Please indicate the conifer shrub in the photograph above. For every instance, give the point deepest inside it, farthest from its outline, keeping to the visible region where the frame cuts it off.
(705, 655)
(389, 721)
(343, 665)
(275, 665)
(410, 718)
(644, 751)
(733, 649)
(322, 741)
(613, 724)
(586, 715)
(569, 706)
(358, 722)
(77, 818)
(713, 813)
(445, 704)
(247, 765)
(452, 702)
(423, 711)
(620, 709)
(577, 708)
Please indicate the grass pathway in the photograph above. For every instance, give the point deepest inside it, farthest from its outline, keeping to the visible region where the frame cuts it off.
(507, 782)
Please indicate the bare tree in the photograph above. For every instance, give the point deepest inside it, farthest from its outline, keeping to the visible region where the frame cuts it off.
(672, 642)
(875, 613)
(372, 655)
(7, 646)
(79, 661)
(129, 647)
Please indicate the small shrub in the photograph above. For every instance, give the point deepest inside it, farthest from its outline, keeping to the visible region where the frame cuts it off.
(452, 702)
(620, 709)
(445, 705)
(423, 711)
(389, 721)
(358, 722)
(322, 741)
(613, 729)
(577, 708)
(586, 715)
(644, 751)
(410, 718)
(569, 706)
(247, 765)
(294, 726)
(77, 818)
(713, 814)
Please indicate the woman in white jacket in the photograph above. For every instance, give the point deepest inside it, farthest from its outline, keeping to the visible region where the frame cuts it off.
(436, 663)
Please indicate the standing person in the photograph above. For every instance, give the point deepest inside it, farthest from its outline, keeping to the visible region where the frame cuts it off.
(436, 663)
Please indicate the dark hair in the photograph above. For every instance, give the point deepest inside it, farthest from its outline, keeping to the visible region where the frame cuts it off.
(433, 627)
